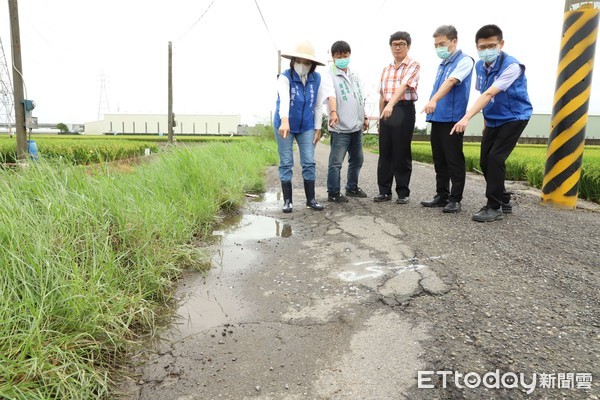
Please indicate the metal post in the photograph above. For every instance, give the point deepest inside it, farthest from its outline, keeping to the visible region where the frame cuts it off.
(18, 81)
(571, 104)
(278, 62)
(170, 106)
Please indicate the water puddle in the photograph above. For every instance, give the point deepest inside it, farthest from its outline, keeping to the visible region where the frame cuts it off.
(211, 299)
(238, 245)
(250, 227)
(271, 197)
(202, 305)
(268, 201)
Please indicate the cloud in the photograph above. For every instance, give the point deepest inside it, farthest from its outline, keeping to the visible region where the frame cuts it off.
(227, 63)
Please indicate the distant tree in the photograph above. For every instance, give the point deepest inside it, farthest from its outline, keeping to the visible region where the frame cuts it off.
(62, 128)
(420, 131)
(263, 130)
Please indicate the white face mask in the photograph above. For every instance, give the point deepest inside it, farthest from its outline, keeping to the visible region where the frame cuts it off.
(301, 69)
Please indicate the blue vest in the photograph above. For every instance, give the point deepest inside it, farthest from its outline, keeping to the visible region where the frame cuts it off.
(303, 99)
(510, 105)
(453, 106)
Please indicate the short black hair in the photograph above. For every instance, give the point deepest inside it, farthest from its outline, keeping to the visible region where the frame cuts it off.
(446, 30)
(340, 47)
(400, 35)
(488, 31)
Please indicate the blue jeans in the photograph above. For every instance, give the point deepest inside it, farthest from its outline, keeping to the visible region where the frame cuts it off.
(342, 143)
(286, 154)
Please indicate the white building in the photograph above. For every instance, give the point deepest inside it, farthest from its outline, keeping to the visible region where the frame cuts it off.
(157, 123)
(538, 126)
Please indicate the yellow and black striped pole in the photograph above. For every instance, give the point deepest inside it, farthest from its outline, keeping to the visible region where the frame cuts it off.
(571, 104)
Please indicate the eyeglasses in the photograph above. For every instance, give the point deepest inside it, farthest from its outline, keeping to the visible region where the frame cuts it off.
(398, 45)
(490, 46)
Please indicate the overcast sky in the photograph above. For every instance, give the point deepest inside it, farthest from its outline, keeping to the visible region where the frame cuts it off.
(227, 62)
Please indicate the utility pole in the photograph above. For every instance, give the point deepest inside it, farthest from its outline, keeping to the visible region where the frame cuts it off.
(571, 103)
(18, 81)
(170, 118)
(278, 63)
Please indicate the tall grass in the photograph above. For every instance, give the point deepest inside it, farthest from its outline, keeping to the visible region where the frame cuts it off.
(81, 149)
(87, 255)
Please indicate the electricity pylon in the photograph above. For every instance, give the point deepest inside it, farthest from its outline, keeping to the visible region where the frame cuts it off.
(103, 105)
(7, 98)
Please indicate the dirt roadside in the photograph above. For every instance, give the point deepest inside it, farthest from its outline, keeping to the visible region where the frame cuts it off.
(352, 302)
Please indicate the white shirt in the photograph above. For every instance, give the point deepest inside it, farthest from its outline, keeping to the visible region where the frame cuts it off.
(345, 87)
(463, 69)
(506, 78)
(283, 89)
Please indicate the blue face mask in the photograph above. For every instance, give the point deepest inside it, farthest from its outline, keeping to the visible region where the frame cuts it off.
(342, 63)
(442, 52)
(488, 55)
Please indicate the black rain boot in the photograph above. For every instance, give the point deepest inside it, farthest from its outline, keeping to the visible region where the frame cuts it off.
(286, 188)
(309, 189)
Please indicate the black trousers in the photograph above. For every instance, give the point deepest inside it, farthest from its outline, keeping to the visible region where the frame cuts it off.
(448, 160)
(496, 146)
(395, 157)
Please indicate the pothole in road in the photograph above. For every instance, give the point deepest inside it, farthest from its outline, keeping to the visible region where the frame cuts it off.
(394, 280)
(209, 300)
(252, 227)
(237, 244)
(268, 201)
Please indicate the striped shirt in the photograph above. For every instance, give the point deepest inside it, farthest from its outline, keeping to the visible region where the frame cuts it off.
(393, 76)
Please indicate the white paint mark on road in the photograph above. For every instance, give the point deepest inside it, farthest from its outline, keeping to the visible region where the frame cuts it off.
(376, 272)
(375, 269)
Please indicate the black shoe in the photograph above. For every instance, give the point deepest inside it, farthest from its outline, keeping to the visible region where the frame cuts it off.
(488, 214)
(402, 200)
(314, 205)
(452, 207)
(437, 201)
(507, 208)
(382, 197)
(337, 197)
(358, 192)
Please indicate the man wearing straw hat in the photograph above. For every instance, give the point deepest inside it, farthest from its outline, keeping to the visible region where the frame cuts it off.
(298, 116)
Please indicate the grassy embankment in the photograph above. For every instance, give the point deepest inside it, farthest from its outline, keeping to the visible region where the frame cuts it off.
(87, 255)
(80, 149)
(526, 163)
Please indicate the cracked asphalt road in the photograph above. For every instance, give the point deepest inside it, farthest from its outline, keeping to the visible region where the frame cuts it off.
(352, 302)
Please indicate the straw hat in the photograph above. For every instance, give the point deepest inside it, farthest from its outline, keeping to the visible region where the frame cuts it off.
(303, 50)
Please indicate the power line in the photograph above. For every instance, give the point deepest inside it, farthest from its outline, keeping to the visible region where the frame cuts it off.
(195, 23)
(265, 22)
(375, 17)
